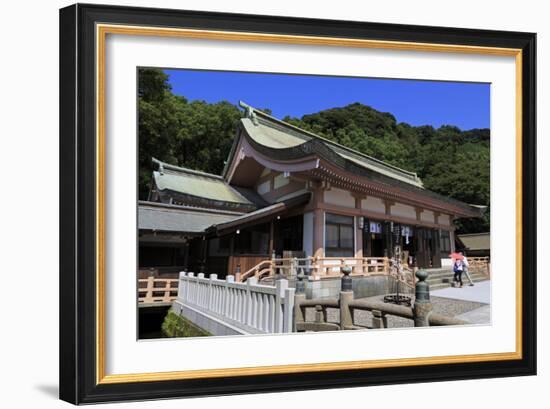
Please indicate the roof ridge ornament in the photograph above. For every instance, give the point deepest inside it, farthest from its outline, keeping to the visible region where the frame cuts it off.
(249, 113)
(160, 165)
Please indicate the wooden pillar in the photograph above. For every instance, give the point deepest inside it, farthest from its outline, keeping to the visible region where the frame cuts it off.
(271, 237)
(419, 211)
(318, 233)
(358, 230)
(452, 239)
(318, 223)
(437, 248)
(388, 204)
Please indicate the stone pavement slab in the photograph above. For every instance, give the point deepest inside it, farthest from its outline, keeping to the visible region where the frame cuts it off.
(478, 316)
(480, 292)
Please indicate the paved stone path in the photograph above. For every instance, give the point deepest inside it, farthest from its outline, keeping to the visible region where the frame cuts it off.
(444, 306)
(480, 315)
(469, 303)
(480, 292)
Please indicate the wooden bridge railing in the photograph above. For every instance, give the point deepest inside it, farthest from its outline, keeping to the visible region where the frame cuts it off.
(319, 267)
(154, 290)
(480, 265)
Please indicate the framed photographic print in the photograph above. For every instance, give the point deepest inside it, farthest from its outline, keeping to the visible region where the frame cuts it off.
(257, 203)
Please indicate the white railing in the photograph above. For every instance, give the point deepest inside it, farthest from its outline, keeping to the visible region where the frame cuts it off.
(249, 306)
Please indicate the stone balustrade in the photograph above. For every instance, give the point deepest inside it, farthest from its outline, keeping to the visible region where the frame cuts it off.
(420, 313)
(247, 307)
(224, 307)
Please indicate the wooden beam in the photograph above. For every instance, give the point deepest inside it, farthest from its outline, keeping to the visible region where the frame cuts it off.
(271, 237)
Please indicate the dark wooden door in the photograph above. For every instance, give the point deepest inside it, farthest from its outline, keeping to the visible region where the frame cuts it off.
(423, 256)
(436, 254)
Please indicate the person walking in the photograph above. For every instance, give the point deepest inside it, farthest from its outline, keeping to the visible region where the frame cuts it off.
(465, 268)
(458, 268)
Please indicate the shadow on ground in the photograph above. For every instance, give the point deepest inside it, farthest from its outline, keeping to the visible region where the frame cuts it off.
(50, 390)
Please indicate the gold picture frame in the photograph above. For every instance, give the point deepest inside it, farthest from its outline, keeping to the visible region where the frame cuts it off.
(101, 22)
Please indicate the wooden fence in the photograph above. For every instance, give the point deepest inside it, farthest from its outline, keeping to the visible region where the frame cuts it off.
(319, 267)
(153, 290)
(480, 265)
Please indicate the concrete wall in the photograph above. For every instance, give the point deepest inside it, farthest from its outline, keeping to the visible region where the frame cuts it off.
(207, 322)
(362, 287)
(339, 197)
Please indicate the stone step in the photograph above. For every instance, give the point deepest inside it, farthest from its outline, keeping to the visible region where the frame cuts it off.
(450, 274)
(439, 286)
(446, 273)
(448, 284)
(474, 277)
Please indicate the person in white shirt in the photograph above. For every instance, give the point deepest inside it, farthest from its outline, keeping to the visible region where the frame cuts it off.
(458, 268)
(465, 268)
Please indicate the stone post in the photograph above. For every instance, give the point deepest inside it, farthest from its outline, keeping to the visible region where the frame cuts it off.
(228, 302)
(278, 274)
(288, 324)
(238, 273)
(212, 277)
(379, 319)
(299, 297)
(181, 284)
(422, 304)
(346, 295)
(200, 292)
(280, 287)
(248, 311)
(190, 288)
(319, 315)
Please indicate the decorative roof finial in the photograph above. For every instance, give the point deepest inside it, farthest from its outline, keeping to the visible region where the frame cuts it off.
(160, 165)
(249, 113)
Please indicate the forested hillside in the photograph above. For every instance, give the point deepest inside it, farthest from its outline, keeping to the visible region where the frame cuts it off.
(198, 135)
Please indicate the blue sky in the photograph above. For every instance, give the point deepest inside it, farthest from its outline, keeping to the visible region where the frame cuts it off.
(436, 103)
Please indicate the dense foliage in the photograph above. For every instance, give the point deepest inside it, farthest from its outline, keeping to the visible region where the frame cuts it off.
(199, 135)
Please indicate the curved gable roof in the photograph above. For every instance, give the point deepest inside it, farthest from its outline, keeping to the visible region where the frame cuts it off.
(281, 141)
(273, 133)
(196, 184)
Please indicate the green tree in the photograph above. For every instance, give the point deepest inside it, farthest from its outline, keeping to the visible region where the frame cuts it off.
(199, 135)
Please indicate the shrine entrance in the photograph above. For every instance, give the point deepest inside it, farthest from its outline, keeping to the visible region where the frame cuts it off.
(427, 248)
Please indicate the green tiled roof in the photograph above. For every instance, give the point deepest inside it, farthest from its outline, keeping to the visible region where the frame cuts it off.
(476, 241)
(168, 218)
(195, 183)
(275, 134)
(270, 136)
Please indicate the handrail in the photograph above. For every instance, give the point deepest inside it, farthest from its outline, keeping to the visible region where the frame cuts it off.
(253, 271)
(392, 309)
(320, 267)
(480, 264)
(249, 306)
(146, 295)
